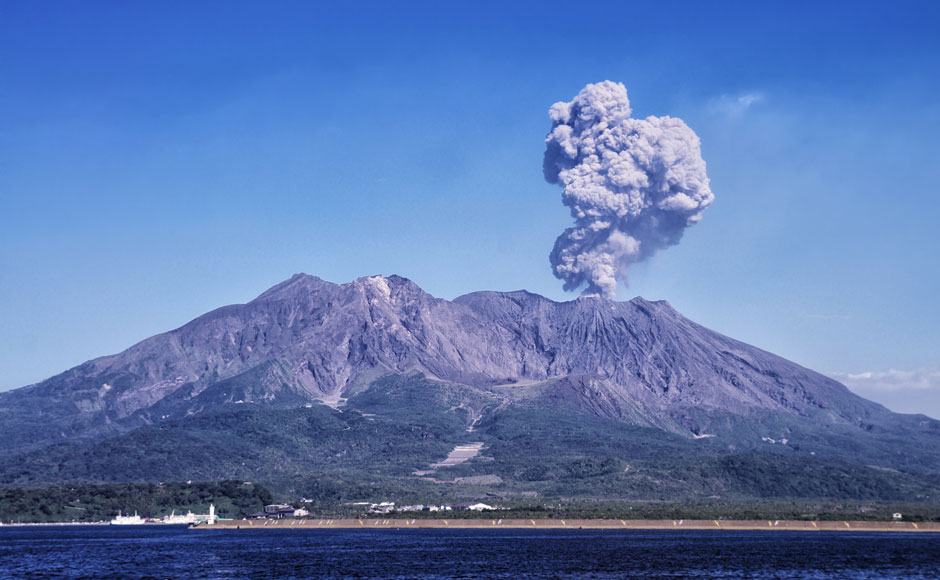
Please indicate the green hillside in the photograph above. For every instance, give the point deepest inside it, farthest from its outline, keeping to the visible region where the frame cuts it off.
(371, 448)
(101, 502)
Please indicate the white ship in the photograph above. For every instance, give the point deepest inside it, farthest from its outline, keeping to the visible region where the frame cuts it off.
(133, 520)
(189, 518)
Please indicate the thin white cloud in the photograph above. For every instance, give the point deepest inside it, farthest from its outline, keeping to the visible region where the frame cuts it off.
(735, 105)
(891, 380)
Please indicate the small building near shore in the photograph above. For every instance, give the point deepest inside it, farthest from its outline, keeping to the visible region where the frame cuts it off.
(278, 510)
(474, 507)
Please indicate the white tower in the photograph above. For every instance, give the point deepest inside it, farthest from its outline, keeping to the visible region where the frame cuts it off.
(211, 514)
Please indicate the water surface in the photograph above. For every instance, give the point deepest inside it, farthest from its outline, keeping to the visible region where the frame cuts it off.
(158, 552)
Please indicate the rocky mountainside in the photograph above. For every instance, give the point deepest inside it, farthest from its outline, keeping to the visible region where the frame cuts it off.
(307, 341)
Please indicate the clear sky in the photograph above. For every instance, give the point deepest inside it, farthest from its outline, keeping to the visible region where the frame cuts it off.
(161, 159)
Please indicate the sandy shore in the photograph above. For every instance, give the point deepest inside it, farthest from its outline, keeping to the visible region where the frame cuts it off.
(558, 524)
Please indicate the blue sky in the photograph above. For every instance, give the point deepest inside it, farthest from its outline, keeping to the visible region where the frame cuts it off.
(158, 160)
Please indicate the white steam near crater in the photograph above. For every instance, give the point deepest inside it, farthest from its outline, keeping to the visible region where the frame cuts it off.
(633, 185)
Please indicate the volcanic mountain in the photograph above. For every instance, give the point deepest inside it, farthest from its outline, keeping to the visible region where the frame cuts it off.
(376, 380)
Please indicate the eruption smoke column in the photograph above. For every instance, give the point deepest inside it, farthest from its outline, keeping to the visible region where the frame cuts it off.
(633, 185)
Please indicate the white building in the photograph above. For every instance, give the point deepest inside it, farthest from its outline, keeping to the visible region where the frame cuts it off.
(480, 507)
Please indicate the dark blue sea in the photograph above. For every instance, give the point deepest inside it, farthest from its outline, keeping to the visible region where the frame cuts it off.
(175, 552)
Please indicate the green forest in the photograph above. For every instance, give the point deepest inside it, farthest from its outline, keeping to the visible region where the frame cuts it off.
(101, 502)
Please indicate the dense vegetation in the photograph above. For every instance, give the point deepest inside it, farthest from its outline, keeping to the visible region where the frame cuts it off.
(676, 510)
(532, 456)
(576, 456)
(101, 502)
(240, 442)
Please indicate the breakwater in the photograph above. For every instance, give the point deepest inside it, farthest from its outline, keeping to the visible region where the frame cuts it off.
(562, 524)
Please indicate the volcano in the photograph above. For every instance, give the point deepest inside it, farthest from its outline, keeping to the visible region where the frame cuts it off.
(375, 380)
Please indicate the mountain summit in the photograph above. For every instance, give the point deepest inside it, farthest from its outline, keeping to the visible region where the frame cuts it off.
(308, 343)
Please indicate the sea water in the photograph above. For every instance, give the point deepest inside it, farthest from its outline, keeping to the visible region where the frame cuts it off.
(165, 552)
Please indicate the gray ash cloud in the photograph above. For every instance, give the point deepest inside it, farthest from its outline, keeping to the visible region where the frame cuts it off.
(633, 186)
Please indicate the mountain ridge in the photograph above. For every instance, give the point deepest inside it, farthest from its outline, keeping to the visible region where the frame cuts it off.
(513, 312)
(306, 342)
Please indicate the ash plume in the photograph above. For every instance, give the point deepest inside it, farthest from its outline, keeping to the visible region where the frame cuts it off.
(633, 185)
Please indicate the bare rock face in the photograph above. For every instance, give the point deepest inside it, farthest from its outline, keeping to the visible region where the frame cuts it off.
(307, 340)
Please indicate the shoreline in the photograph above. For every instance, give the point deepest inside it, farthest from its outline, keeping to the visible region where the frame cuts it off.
(31, 524)
(106, 524)
(560, 524)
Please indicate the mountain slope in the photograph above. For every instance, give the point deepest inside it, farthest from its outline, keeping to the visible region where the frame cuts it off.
(383, 347)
